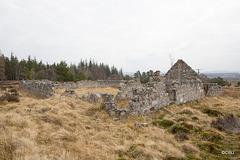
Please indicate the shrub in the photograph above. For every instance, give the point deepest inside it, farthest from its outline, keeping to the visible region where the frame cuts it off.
(219, 81)
(238, 84)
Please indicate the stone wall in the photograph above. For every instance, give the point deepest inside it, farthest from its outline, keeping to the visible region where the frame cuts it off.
(185, 92)
(183, 84)
(149, 99)
(42, 88)
(90, 84)
(213, 89)
(126, 89)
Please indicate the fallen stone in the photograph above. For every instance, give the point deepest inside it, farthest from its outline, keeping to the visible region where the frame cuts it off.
(229, 122)
(116, 119)
(69, 93)
(9, 97)
(92, 97)
(12, 90)
(85, 96)
(70, 104)
(144, 124)
(137, 125)
(45, 109)
(95, 120)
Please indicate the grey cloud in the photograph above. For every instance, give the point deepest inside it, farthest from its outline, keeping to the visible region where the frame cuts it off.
(129, 34)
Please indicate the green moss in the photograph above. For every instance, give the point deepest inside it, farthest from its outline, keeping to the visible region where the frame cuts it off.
(211, 113)
(190, 127)
(165, 123)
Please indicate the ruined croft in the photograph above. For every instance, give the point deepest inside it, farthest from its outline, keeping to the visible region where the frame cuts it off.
(180, 84)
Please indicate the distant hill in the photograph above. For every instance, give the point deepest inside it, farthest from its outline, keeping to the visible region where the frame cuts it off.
(226, 76)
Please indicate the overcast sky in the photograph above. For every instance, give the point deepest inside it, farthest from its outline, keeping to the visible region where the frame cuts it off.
(130, 34)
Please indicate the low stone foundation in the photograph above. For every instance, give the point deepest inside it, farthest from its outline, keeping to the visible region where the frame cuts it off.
(42, 88)
(213, 89)
(90, 84)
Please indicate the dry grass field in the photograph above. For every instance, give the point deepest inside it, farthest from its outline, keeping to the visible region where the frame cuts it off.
(42, 129)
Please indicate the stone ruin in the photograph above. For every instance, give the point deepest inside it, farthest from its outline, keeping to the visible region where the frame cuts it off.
(180, 84)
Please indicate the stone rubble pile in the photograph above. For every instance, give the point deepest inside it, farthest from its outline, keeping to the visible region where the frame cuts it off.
(69, 93)
(111, 107)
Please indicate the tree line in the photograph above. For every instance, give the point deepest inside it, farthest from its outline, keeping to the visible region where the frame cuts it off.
(11, 68)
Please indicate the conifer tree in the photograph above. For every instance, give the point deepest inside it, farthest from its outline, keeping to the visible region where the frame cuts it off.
(2, 67)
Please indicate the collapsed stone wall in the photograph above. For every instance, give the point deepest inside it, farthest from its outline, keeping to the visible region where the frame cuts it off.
(126, 89)
(213, 89)
(149, 99)
(47, 88)
(90, 84)
(145, 99)
(110, 106)
(43, 88)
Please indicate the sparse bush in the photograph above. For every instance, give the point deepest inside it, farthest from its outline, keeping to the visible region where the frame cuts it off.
(238, 84)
